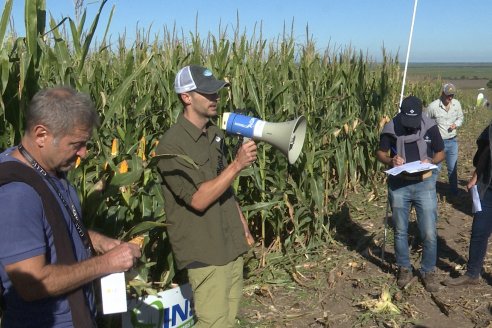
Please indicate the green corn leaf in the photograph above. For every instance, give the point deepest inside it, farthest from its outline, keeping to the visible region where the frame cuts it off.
(143, 227)
(7, 10)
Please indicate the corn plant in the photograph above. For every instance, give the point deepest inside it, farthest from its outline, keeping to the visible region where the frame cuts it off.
(345, 97)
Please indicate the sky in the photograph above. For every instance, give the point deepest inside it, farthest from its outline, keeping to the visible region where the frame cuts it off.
(443, 31)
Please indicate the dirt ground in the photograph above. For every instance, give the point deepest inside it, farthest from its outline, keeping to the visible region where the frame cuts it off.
(341, 286)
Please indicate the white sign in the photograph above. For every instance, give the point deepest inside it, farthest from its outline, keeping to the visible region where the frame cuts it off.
(171, 308)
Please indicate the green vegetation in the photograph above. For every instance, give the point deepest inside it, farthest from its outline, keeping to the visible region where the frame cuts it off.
(450, 71)
(345, 98)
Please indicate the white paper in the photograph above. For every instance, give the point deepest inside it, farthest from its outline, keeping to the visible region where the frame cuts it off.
(476, 205)
(113, 292)
(412, 167)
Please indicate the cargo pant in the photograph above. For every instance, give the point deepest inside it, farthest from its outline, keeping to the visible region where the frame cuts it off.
(217, 292)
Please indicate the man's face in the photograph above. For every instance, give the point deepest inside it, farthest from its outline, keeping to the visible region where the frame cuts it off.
(61, 152)
(204, 105)
(447, 99)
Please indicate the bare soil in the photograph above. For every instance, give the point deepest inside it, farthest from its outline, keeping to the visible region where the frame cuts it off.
(336, 287)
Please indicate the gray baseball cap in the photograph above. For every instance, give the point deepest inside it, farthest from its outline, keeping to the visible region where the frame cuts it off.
(449, 89)
(197, 78)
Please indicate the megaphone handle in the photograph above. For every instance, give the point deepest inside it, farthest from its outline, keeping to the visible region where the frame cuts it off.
(238, 145)
(241, 141)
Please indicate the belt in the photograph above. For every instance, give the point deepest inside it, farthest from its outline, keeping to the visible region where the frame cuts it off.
(415, 177)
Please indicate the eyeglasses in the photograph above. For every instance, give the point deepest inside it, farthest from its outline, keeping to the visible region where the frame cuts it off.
(450, 96)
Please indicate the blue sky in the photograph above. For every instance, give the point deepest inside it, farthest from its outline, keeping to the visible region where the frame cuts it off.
(444, 31)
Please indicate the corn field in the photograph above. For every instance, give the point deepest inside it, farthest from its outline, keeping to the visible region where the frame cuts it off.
(345, 97)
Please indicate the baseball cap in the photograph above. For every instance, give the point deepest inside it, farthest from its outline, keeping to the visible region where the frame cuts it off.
(197, 78)
(449, 89)
(411, 112)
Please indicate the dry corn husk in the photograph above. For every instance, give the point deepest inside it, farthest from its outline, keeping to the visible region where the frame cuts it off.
(355, 124)
(383, 304)
(385, 119)
(141, 149)
(346, 128)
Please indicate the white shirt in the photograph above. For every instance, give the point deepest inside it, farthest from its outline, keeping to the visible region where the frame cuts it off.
(444, 118)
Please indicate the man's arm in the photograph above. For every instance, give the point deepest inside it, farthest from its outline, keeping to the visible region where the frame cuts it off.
(34, 279)
(459, 120)
(101, 243)
(472, 181)
(438, 157)
(483, 161)
(247, 234)
(209, 191)
(384, 158)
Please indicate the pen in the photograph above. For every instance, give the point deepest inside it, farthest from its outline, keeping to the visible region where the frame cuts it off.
(399, 159)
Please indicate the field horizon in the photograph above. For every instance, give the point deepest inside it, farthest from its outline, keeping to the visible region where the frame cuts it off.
(469, 77)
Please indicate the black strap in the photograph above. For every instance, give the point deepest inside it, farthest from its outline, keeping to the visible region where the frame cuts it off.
(72, 211)
(12, 171)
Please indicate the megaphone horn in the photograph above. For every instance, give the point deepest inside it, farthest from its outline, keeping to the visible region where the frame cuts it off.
(288, 137)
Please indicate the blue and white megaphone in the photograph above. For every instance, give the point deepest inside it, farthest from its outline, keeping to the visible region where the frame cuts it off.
(288, 137)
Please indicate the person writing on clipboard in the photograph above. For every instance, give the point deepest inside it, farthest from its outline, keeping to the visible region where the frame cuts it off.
(408, 137)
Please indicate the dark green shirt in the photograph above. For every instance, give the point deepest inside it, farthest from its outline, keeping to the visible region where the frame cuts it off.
(215, 236)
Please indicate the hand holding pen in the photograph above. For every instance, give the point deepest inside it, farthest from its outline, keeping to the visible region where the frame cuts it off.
(396, 160)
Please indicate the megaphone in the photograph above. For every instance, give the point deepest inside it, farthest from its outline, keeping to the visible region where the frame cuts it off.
(288, 137)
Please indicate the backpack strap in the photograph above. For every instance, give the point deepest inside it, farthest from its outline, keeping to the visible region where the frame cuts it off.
(13, 171)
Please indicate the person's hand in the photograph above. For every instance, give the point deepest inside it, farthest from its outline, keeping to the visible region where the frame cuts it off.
(425, 161)
(452, 127)
(108, 244)
(472, 182)
(122, 257)
(246, 155)
(249, 237)
(397, 161)
(102, 243)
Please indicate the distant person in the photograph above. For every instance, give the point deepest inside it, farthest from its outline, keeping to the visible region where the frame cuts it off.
(408, 137)
(482, 221)
(207, 229)
(48, 258)
(449, 117)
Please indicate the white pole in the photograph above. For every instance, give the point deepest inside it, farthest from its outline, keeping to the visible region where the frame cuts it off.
(408, 53)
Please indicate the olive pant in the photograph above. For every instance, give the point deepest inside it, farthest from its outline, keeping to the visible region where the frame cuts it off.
(217, 292)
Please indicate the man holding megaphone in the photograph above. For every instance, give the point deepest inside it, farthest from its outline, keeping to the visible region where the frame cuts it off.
(207, 230)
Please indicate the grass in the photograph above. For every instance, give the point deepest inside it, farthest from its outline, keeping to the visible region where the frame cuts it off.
(450, 71)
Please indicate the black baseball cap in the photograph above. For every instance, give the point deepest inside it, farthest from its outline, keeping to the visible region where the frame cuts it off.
(411, 112)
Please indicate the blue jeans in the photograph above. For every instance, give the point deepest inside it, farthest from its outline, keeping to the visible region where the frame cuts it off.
(422, 195)
(481, 229)
(451, 152)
